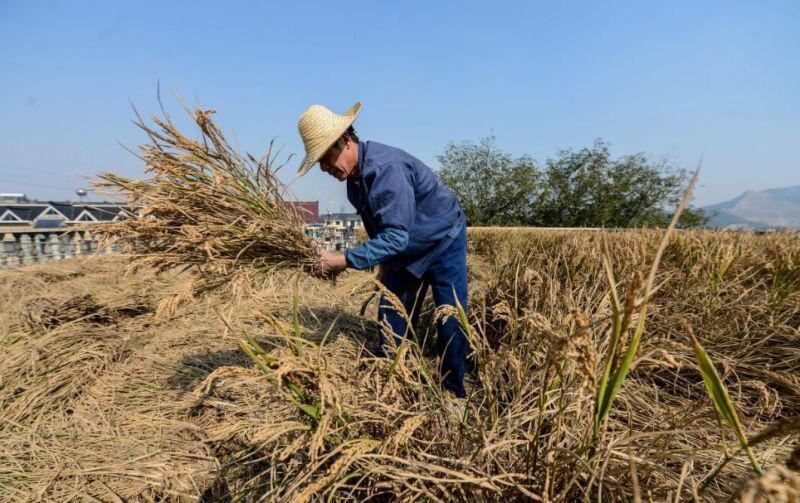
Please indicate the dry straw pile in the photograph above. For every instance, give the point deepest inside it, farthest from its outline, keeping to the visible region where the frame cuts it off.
(110, 401)
(207, 208)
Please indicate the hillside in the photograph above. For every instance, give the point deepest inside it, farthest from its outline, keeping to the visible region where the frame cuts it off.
(766, 209)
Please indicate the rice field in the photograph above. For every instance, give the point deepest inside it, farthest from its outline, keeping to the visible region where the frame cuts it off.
(123, 388)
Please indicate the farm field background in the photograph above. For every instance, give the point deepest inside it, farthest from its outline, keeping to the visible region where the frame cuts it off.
(120, 387)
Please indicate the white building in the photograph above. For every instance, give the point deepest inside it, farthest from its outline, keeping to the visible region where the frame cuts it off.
(338, 232)
(343, 221)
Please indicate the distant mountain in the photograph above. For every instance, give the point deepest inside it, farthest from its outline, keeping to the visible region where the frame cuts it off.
(765, 209)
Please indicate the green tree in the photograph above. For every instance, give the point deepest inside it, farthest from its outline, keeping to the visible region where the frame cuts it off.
(588, 188)
(583, 188)
(493, 187)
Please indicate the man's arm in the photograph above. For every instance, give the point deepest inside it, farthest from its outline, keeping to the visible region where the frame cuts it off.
(391, 201)
(389, 242)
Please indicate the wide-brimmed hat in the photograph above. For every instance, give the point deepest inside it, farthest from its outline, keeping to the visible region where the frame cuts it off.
(319, 128)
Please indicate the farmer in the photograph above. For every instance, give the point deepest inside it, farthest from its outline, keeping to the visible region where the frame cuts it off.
(416, 227)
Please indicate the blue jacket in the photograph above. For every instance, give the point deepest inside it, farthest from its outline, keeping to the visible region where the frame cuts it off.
(395, 190)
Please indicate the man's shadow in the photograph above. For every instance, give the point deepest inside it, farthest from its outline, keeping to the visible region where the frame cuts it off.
(320, 325)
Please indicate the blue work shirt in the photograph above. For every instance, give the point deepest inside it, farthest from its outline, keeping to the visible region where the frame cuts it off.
(396, 190)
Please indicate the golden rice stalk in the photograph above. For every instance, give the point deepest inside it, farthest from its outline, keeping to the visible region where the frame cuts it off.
(208, 208)
(612, 378)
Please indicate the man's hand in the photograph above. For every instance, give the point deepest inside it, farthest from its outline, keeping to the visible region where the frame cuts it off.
(332, 263)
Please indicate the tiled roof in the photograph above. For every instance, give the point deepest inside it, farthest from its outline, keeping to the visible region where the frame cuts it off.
(28, 212)
(66, 209)
(104, 212)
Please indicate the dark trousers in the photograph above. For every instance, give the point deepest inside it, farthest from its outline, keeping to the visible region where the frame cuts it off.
(446, 274)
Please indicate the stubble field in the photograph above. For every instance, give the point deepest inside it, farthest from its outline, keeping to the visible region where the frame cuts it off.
(122, 388)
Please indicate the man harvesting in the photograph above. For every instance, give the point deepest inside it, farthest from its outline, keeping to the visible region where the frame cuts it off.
(416, 227)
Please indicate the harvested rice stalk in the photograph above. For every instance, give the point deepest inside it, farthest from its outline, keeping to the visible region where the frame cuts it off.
(208, 208)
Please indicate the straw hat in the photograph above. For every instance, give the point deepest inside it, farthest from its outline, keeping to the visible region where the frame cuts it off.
(320, 128)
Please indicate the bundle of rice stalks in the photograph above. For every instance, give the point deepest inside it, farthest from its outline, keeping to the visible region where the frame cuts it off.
(207, 208)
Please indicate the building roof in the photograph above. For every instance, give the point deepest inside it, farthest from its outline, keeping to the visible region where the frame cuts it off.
(22, 213)
(13, 197)
(308, 211)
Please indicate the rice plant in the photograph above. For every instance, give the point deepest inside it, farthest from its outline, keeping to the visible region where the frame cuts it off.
(618, 363)
(207, 208)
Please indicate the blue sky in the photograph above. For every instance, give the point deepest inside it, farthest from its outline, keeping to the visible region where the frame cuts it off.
(678, 79)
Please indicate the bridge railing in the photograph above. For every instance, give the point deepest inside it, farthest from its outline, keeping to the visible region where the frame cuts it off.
(31, 246)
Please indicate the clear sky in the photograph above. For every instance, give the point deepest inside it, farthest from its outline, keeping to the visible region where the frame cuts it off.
(679, 79)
